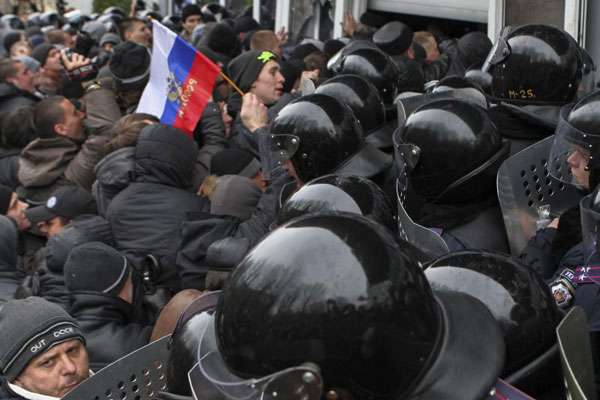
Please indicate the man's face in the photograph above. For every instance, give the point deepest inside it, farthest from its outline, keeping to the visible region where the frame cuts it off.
(578, 162)
(268, 87)
(140, 34)
(52, 227)
(23, 79)
(16, 211)
(72, 123)
(191, 22)
(57, 371)
(53, 61)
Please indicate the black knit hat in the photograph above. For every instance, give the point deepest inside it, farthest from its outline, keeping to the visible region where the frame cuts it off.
(67, 201)
(303, 50)
(245, 68)
(30, 327)
(130, 66)
(96, 267)
(222, 39)
(189, 10)
(5, 198)
(11, 38)
(245, 23)
(41, 51)
(234, 162)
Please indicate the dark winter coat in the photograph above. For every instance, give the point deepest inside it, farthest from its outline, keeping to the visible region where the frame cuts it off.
(218, 243)
(146, 217)
(9, 167)
(13, 98)
(6, 393)
(9, 278)
(107, 327)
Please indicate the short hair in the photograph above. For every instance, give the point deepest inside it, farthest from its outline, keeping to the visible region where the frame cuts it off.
(315, 60)
(126, 130)
(56, 36)
(46, 114)
(16, 128)
(426, 40)
(128, 24)
(263, 40)
(8, 69)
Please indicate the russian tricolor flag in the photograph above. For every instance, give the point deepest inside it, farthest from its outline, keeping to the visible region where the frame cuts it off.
(181, 81)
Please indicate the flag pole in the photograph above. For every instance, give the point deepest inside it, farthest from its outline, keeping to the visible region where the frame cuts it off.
(232, 83)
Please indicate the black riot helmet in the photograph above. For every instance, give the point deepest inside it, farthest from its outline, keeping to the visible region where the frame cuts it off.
(33, 19)
(336, 193)
(459, 151)
(534, 64)
(183, 345)
(376, 67)
(577, 144)
(364, 100)
(588, 71)
(333, 304)
(51, 18)
(517, 297)
(12, 22)
(320, 135)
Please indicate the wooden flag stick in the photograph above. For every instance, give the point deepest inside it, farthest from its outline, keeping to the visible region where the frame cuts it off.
(232, 84)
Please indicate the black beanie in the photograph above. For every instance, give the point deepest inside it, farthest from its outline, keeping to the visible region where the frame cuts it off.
(223, 39)
(189, 10)
(5, 197)
(303, 50)
(130, 66)
(234, 162)
(41, 51)
(291, 71)
(245, 68)
(96, 267)
(332, 46)
(244, 24)
(30, 327)
(11, 38)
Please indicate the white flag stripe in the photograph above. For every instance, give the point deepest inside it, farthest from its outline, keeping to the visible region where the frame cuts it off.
(151, 102)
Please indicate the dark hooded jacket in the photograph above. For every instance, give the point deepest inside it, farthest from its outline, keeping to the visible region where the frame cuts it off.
(9, 166)
(12, 98)
(146, 217)
(217, 243)
(9, 279)
(117, 170)
(106, 324)
(48, 281)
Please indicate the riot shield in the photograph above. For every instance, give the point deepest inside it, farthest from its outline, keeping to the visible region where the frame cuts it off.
(138, 375)
(424, 239)
(528, 193)
(576, 355)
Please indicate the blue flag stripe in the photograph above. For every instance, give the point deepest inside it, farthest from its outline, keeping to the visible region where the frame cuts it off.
(180, 62)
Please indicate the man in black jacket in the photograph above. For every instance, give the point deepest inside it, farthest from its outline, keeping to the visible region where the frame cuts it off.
(42, 351)
(146, 216)
(99, 280)
(8, 260)
(16, 86)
